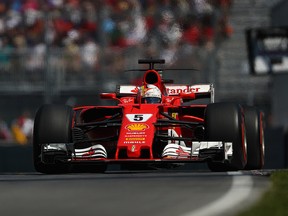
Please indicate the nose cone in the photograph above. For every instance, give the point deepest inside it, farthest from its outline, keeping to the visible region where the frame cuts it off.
(134, 151)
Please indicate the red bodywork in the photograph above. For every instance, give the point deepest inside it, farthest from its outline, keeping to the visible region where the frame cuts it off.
(138, 131)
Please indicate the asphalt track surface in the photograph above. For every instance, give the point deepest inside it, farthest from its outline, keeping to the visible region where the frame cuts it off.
(141, 193)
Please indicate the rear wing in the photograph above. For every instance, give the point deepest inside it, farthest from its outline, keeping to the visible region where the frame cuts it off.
(200, 90)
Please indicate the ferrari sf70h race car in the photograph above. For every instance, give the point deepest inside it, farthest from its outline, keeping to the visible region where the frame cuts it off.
(141, 131)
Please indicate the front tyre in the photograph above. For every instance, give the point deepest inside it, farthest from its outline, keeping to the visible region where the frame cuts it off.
(225, 122)
(53, 124)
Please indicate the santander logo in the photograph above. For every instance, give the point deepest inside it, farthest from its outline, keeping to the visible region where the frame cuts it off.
(181, 89)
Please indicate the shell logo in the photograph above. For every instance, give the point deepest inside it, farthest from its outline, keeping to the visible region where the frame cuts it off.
(137, 127)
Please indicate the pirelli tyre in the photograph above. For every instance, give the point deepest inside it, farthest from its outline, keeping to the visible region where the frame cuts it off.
(225, 122)
(52, 125)
(255, 138)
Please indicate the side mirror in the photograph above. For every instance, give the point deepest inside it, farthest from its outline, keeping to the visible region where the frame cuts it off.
(108, 96)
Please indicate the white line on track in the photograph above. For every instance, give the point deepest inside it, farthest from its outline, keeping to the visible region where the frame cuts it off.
(240, 190)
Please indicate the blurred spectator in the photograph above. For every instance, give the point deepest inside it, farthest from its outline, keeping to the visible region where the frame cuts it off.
(169, 29)
(5, 133)
(90, 54)
(22, 128)
(72, 60)
(35, 60)
(191, 31)
(5, 54)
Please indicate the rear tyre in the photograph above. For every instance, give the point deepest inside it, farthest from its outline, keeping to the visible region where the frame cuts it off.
(255, 138)
(52, 124)
(225, 122)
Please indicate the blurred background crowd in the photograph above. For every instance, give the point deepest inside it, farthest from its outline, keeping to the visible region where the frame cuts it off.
(91, 36)
(85, 25)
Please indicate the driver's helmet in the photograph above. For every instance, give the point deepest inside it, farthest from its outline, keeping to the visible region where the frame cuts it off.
(152, 94)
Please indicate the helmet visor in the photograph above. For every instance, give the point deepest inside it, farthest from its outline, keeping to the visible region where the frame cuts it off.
(152, 100)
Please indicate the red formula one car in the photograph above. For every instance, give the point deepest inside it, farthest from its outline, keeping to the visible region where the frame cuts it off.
(152, 125)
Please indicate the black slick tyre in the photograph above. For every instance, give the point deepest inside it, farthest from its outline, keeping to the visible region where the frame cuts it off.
(255, 138)
(52, 124)
(225, 122)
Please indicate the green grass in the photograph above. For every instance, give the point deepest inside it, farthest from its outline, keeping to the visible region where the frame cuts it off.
(275, 200)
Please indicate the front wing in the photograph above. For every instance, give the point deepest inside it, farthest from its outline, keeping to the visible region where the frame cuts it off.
(199, 152)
